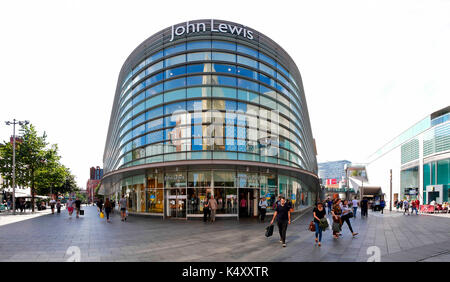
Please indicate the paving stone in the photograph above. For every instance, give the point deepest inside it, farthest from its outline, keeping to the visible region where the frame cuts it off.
(400, 238)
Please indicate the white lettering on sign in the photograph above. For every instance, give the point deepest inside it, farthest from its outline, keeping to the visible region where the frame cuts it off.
(201, 27)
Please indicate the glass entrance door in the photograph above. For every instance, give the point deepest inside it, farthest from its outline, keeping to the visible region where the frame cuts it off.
(176, 203)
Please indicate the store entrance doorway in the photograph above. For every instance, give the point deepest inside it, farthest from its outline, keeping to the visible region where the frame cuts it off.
(248, 202)
(433, 196)
(176, 203)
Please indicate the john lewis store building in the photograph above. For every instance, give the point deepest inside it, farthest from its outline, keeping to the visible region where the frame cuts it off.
(209, 108)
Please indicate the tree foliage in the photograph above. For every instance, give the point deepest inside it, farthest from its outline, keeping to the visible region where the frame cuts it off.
(37, 165)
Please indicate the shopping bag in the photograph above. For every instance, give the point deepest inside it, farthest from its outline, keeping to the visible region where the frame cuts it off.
(312, 226)
(81, 212)
(269, 230)
(102, 215)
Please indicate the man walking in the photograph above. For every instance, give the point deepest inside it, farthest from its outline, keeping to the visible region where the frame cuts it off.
(364, 207)
(413, 206)
(405, 207)
(329, 205)
(123, 207)
(78, 206)
(213, 207)
(382, 205)
(283, 215)
(262, 208)
(355, 204)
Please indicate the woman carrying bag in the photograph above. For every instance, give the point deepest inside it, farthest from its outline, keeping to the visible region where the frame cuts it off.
(319, 214)
(346, 215)
(108, 207)
(336, 214)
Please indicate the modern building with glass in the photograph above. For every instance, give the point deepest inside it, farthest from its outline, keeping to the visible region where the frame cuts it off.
(419, 159)
(209, 108)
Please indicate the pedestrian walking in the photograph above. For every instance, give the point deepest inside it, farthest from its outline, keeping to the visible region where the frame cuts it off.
(283, 215)
(329, 205)
(21, 204)
(78, 206)
(213, 207)
(319, 215)
(206, 212)
(405, 207)
(69, 206)
(58, 206)
(417, 206)
(346, 215)
(243, 206)
(108, 207)
(382, 205)
(364, 207)
(355, 204)
(336, 215)
(413, 207)
(123, 207)
(100, 205)
(52, 205)
(8, 203)
(262, 208)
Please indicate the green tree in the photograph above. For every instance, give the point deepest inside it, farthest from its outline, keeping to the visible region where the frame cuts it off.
(51, 176)
(37, 165)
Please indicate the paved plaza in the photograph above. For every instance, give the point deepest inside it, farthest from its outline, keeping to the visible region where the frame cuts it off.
(140, 238)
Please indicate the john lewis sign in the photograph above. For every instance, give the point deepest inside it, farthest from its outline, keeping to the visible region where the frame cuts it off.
(215, 27)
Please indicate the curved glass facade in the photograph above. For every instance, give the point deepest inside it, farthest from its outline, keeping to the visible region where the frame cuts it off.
(209, 96)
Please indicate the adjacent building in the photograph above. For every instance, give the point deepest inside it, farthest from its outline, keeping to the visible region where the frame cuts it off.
(209, 108)
(332, 174)
(419, 159)
(96, 174)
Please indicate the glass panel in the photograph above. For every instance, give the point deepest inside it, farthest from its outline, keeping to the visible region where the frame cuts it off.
(249, 85)
(175, 95)
(154, 113)
(223, 80)
(226, 200)
(224, 92)
(267, 59)
(223, 68)
(175, 83)
(198, 45)
(247, 61)
(198, 92)
(247, 50)
(199, 179)
(199, 68)
(199, 56)
(196, 198)
(224, 45)
(154, 90)
(154, 149)
(169, 73)
(175, 179)
(198, 80)
(218, 56)
(155, 67)
(155, 124)
(155, 78)
(224, 178)
(175, 60)
(248, 96)
(154, 57)
(174, 49)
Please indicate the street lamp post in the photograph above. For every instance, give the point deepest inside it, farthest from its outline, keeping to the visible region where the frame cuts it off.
(14, 122)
